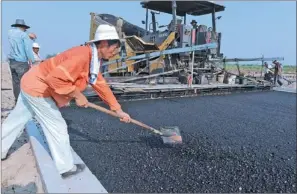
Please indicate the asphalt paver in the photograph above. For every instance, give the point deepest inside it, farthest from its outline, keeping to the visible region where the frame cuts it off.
(235, 143)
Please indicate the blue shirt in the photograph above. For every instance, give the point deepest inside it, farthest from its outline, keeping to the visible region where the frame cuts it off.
(20, 46)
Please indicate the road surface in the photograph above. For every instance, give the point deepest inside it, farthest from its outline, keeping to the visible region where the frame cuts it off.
(234, 143)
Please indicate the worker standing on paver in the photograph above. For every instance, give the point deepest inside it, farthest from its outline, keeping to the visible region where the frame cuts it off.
(37, 58)
(52, 84)
(21, 54)
(194, 24)
(277, 72)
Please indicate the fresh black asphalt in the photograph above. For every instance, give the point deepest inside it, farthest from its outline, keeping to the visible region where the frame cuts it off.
(235, 143)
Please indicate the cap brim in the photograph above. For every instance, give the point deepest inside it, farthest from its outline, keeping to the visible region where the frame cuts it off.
(20, 25)
(91, 41)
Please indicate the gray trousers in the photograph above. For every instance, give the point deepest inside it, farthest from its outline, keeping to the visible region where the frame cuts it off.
(53, 125)
(17, 69)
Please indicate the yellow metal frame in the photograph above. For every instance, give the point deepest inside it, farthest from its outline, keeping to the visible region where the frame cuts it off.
(129, 64)
(156, 64)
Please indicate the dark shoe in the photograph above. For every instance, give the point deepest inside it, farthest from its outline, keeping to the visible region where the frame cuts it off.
(79, 168)
(4, 157)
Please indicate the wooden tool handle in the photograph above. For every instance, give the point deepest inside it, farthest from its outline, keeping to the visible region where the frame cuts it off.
(116, 115)
(102, 109)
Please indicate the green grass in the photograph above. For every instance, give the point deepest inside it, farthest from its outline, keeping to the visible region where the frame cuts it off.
(257, 68)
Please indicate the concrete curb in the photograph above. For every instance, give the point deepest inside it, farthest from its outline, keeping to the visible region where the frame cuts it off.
(289, 90)
(51, 180)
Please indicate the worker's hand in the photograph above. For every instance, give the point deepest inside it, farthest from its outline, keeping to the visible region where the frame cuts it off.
(124, 116)
(32, 36)
(81, 100)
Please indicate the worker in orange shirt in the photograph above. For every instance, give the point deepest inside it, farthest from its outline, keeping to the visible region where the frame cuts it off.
(53, 84)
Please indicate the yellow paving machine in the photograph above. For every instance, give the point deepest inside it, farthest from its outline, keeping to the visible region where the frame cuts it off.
(176, 49)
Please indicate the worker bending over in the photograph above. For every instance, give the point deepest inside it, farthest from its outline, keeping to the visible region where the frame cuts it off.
(52, 84)
(36, 55)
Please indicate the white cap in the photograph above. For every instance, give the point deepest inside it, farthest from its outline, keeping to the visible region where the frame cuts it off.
(35, 45)
(105, 32)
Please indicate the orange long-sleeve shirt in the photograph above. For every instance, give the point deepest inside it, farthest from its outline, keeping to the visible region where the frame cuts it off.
(60, 75)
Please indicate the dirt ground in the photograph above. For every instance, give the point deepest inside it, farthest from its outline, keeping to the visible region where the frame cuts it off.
(19, 171)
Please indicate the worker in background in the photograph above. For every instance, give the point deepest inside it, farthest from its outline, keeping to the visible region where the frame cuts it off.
(21, 54)
(37, 57)
(194, 24)
(53, 84)
(277, 72)
(268, 74)
(190, 79)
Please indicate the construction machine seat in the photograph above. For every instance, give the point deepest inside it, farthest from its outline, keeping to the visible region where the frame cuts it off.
(201, 35)
(211, 36)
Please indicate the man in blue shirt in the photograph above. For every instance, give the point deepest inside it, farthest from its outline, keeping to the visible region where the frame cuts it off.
(21, 54)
